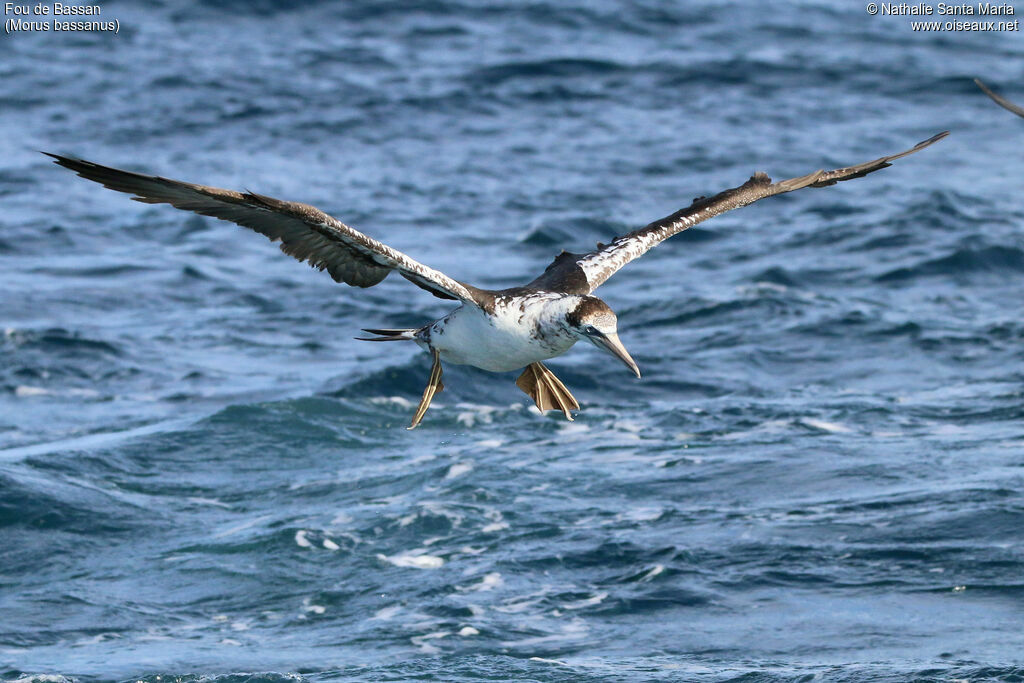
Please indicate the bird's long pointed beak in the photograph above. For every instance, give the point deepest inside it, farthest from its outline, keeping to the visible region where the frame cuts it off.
(613, 345)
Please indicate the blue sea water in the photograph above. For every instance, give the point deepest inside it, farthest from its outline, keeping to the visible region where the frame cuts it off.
(203, 477)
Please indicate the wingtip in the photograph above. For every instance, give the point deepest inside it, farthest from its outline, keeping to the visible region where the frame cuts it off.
(925, 143)
(57, 158)
(70, 163)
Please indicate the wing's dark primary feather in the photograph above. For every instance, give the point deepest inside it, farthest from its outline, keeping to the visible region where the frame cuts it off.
(304, 231)
(1000, 100)
(583, 273)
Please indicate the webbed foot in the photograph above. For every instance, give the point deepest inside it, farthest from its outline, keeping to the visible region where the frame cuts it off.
(546, 390)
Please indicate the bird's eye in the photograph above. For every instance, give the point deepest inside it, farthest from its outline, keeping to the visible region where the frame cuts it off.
(591, 329)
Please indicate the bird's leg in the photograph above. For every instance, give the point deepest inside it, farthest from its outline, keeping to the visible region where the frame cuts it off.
(434, 385)
(546, 390)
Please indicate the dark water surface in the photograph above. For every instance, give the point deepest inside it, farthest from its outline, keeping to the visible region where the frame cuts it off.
(203, 477)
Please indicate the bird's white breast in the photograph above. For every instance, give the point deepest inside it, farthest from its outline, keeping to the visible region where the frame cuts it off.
(519, 332)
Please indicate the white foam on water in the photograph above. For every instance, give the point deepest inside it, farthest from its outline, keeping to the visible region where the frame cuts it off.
(393, 400)
(760, 287)
(548, 661)
(331, 545)
(833, 427)
(426, 457)
(473, 413)
(341, 518)
(26, 391)
(308, 606)
(639, 514)
(468, 631)
(654, 571)
(301, 540)
(386, 613)
(497, 521)
(587, 602)
(458, 469)
(628, 426)
(490, 443)
(516, 605)
(589, 521)
(573, 428)
(424, 646)
(440, 509)
(489, 582)
(413, 560)
(98, 638)
(23, 391)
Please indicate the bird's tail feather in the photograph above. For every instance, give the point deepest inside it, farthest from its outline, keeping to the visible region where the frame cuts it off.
(390, 335)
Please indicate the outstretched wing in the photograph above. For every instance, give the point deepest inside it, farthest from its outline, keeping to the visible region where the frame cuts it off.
(583, 273)
(304, 231)
(1000, 100)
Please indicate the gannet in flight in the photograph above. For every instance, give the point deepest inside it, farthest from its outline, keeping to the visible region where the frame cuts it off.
(496, 330)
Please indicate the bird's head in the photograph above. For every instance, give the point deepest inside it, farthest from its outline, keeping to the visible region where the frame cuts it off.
(594, 321)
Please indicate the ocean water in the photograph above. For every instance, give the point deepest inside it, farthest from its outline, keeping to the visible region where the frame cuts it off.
(203, 477)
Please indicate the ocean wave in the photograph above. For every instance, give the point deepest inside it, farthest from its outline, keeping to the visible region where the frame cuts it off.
(962, 262)
(60, 341)
(204, 475)
(556, 68)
